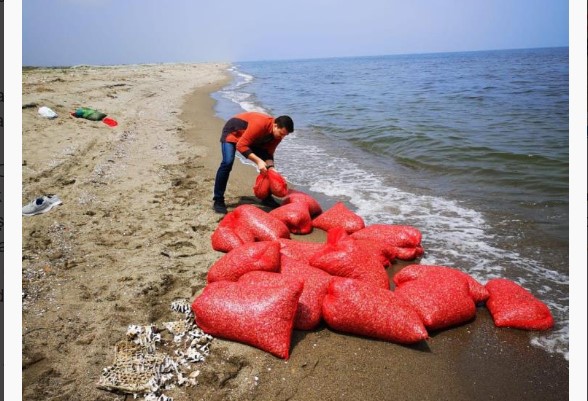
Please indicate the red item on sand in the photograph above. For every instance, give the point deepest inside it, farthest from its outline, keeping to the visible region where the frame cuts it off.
(478, 292)
(268, 278)
(405, 239)
(441, 300)
(247, 223)
(295, 216)
(302, 251)
(294, 196)
(316, 283)
(308, 312)
(339, 216)
(352, 306)
(262, 225)
(109, 121)
(385, 254)
(395, 235)
(341, 256)
(263, 255)
(409, 253)
(226, 237)
(254, 314)
(513, 306)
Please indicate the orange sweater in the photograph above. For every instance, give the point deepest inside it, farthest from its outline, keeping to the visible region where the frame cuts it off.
(251, 130)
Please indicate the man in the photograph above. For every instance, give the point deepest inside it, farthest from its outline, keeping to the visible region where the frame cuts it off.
(256, 136)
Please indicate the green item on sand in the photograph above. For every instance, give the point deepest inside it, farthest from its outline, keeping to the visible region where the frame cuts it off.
(89, 114)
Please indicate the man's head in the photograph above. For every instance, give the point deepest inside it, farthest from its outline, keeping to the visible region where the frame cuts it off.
(283, 126)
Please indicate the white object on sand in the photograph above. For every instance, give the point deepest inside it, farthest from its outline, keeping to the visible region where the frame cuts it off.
(46, 112)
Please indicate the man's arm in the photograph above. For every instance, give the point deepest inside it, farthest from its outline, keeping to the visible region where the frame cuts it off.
(252, 133)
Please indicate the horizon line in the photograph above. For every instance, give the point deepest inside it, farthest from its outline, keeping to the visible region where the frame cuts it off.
(32, 66)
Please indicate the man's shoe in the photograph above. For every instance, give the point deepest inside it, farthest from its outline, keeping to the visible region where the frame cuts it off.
(41, 205)
(220, 207)
(270, 202)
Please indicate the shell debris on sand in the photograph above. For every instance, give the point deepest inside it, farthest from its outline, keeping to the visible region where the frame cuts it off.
(143, 367)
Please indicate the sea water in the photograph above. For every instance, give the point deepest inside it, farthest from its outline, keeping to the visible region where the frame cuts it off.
(471, 148)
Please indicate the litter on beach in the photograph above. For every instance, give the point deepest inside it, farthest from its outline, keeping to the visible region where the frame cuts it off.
(89, 114)
(46, 112)
(93, 115)
(148, 361)
(110, 122)
(41, 204)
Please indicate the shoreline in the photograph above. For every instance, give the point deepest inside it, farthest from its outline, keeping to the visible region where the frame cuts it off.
(485, 358)
(133, 234)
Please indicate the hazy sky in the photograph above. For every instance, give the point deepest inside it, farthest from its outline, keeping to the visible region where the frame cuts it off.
(72, 32)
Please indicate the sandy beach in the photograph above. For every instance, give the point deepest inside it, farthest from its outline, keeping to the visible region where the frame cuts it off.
(133, 234)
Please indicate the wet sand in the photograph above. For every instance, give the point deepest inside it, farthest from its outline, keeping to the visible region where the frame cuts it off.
(133, 234)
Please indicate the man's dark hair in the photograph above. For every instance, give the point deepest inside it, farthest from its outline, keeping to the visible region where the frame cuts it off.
(285, 122)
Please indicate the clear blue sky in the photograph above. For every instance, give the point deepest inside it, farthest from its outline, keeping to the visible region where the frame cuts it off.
(72, 32)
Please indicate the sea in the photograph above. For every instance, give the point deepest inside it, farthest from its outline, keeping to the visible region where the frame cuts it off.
(471, 148)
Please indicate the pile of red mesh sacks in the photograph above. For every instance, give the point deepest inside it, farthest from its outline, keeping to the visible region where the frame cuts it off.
(267, 285)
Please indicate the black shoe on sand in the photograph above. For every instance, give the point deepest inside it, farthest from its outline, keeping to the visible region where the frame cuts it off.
(270, 202)
(220, 207)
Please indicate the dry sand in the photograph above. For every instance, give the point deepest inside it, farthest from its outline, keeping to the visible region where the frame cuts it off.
(133, 234)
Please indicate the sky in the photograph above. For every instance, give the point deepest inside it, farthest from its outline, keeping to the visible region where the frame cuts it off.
(107, 32)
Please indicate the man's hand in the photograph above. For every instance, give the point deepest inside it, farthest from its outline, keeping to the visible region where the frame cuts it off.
(262, 166)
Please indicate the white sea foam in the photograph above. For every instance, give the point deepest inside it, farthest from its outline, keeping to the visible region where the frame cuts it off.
(242, 79)
(453, 235)
(235, 94)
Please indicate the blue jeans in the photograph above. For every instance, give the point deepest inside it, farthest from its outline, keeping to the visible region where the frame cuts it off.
(224, 170)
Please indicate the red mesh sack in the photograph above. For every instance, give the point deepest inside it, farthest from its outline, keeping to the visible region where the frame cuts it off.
(299, 250)
(277, 183)
(269, 278)
(258, 315)
(225, 237)
(383, 251)
(293, 196)
(385, 254)
(295, 216)
(261, 225)
(351, 306)
(440, 300)
(341, 256)
(395, 235)
(247, 223)
(339, 216)
(261, 188)
(406, 239)
(513, 306)
(411, 272)
(316, 282)
(409, 253)
(264, 255)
